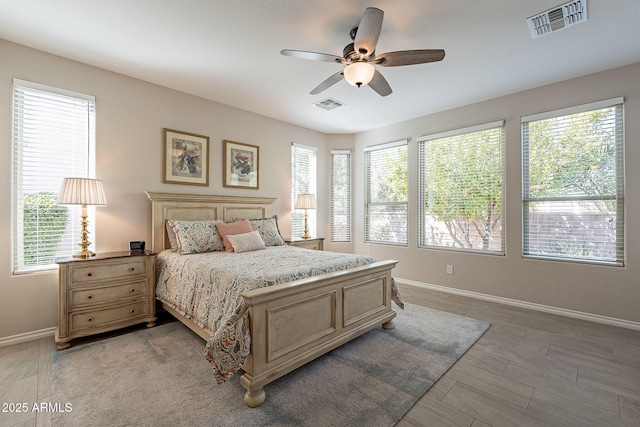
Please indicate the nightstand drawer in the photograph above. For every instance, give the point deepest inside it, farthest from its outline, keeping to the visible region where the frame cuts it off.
(316, 244)
(95, 271)
(92, 319)
(82, 297)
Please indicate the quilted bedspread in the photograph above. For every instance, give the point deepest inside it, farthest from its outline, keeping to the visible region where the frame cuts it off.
(206, 288)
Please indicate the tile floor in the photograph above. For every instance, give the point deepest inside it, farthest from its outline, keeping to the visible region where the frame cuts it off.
(529, 369)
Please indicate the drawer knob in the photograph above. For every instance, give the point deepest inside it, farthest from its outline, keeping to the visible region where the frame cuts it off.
(89, 274)
(89, 319)
(132, 268)
(132, 290)
(90, 296)
(133, 310)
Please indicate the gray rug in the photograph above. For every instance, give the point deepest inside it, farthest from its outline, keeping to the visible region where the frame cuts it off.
(159, 377)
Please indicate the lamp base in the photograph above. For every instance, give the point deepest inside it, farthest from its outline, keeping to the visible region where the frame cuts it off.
(306, 227)
(84, 245)
(84, 254)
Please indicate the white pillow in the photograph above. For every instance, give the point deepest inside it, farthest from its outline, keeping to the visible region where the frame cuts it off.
(246, 242)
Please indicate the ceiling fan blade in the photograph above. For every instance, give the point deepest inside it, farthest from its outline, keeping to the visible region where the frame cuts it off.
(380, 84)
(335, 78)
(409, 57)
(312, 55)
(368, 31)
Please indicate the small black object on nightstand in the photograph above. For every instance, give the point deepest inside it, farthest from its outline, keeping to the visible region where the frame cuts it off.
(137, 246)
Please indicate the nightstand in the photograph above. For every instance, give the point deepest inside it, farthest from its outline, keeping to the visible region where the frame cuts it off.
(105, 292)
(317, 243)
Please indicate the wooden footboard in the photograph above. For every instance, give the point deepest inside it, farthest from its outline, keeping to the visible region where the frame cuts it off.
(291, 323)
(294, 323)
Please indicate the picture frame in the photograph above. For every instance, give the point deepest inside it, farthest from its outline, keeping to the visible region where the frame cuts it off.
(186, 158)
(241, 165)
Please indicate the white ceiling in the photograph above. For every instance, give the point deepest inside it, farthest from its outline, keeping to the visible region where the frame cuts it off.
(229, 51)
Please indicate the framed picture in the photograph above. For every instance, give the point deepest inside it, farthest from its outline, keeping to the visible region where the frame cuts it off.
(241, 165)
(186, 158)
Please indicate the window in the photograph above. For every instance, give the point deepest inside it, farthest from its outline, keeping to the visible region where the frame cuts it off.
(461, 187)
(53, 138)
(385, 168)
(303, 180)
(573, 184)
(340, 196)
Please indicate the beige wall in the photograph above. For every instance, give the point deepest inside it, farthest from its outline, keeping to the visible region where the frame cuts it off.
(132, 113)
(604, 291)
(130, 117)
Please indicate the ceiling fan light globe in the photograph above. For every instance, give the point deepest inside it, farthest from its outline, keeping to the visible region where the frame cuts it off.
(359, 73)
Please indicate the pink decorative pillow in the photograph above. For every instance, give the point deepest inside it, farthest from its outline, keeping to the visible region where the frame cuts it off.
(230, 228)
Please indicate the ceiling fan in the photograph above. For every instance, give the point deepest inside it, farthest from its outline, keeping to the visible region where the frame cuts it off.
(359, 57)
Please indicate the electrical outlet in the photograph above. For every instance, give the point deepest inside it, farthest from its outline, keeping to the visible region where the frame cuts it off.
(449, 269)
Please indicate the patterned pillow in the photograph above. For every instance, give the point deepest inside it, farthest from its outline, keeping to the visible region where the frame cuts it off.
(171, 235)
(246, 242)
(268, 229)
(196, 237)
(230, 228)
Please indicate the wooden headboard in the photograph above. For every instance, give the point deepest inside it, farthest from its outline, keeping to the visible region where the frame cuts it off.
(192, 207)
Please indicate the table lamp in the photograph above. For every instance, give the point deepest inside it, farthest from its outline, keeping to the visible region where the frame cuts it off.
(306, 201)
(82, 191)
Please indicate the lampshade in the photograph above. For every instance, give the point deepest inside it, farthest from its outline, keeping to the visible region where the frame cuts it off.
(306, 201)
(359, 73)
(81, 191)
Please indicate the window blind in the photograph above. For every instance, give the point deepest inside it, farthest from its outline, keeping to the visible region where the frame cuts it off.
(461, 189)
(340, 195)
(53, 138)
(386, 206)
(303, 180)
(573, 184)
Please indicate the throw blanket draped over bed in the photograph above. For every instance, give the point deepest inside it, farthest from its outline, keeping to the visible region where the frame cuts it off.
(206, 288)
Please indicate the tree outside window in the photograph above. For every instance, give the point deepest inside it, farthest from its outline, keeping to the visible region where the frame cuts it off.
(573, 184)
(461, 189)
(386, 180)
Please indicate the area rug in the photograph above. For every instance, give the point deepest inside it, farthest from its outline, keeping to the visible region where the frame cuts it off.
(159, 377)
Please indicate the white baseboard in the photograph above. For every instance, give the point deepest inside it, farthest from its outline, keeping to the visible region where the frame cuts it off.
(27, 336)
(528, 305)
(43, 333)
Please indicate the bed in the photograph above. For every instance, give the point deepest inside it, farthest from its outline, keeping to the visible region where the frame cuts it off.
(281, 326)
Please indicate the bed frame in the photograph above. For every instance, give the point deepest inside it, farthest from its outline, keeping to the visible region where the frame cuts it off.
(291, 323)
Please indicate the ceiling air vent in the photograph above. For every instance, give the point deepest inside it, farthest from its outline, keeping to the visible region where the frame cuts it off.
(560, 17)
(328, 104)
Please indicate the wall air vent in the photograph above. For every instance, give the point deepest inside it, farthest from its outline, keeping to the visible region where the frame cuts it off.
(328, 104)
(558, 18)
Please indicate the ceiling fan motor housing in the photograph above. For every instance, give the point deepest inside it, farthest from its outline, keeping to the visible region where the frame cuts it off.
(350, 55)
(349, 52)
